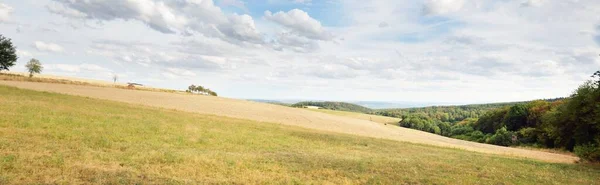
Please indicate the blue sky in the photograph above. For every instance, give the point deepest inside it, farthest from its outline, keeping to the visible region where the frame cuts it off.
(455, 51)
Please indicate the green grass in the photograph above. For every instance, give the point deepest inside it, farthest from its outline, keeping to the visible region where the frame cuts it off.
(48, 138)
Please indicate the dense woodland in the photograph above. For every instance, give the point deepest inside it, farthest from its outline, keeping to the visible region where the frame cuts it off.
(571, 123)
(341, 106)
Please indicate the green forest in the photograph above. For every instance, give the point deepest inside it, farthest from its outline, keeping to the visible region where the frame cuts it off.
(571, 123)
(341, 106)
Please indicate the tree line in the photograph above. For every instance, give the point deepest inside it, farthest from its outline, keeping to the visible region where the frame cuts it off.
(341, 106)
(571, 123)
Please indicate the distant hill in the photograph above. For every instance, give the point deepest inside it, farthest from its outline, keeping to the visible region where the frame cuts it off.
(341, 106)
(270, 101)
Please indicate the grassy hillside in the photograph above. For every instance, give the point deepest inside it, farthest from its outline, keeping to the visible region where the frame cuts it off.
(341, 106)
(357, 115)
(49, 138)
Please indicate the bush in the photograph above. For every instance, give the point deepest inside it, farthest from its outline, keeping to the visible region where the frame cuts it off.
(528, 135)
(502, 137)
(461, 130)
(588, 152)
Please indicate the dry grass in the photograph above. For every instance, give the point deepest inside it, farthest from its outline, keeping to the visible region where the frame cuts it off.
(356, 115)
(283, 115)
(49, 138)
(22, 77)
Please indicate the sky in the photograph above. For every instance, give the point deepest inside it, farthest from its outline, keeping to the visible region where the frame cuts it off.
(457, 51)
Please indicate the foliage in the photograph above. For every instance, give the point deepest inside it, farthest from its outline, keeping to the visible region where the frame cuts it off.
(8, 53)
(502, 137)
(571, 123)
(590, 152)
(341, 106)
(34, 66)
(200, 90)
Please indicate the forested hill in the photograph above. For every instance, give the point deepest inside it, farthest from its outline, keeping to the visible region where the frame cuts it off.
(452, 114)
(341, 106)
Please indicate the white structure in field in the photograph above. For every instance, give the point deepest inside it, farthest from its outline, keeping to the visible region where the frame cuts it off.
(312, 107)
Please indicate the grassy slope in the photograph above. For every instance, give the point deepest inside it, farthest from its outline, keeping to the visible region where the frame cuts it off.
(51, 138)
(369, 117)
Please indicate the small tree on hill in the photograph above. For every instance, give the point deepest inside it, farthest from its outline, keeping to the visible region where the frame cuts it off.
(115, 78)
(34, 66)
(200, 90)
(8, 55)
(597, 75)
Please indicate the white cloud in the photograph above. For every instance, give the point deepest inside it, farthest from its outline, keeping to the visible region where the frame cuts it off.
(23, 54)
(433, 7)
(58, 8)
(5, 12)
(299, 22)
(303, 1)
(421, 50)
(75, 68)
(48, 47)
(533, 3)
(178, 73)
(184, 17)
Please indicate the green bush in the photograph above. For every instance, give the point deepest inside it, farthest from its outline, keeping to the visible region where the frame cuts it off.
(588, 152)
(528, 135)
(502, 137)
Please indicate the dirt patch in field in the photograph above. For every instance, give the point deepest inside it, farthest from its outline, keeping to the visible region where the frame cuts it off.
(282, 115)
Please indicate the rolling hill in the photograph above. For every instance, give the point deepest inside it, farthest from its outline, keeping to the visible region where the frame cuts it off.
(50, 138)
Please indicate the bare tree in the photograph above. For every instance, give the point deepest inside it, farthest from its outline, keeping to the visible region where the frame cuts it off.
(115, 78)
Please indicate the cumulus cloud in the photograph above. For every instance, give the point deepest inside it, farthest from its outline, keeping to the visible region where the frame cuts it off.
(435, 7)
(76, 68)
(287, 41)
(48, 47)
(5, 12)
(156, 15)
(184, 17)
(60, 9)
(242, 28)
(299, 22)
(147, 55)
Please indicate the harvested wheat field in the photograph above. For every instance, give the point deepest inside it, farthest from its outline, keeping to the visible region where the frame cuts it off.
(283, 115)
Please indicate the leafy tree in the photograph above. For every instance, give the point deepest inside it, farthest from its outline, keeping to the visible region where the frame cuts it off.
(502, 137)
(516, 117)
(34, 66)
(8, 55)
(597, 75)
(200, 90)
(491, 121)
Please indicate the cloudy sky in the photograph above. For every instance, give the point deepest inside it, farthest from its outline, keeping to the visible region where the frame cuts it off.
(411, 50)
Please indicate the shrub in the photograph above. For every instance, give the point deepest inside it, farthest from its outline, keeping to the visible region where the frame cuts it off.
(528, 135)
(502, 137)
(588, 152)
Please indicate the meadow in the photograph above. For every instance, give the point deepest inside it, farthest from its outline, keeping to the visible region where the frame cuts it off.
(49, 138)
(363, 116)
